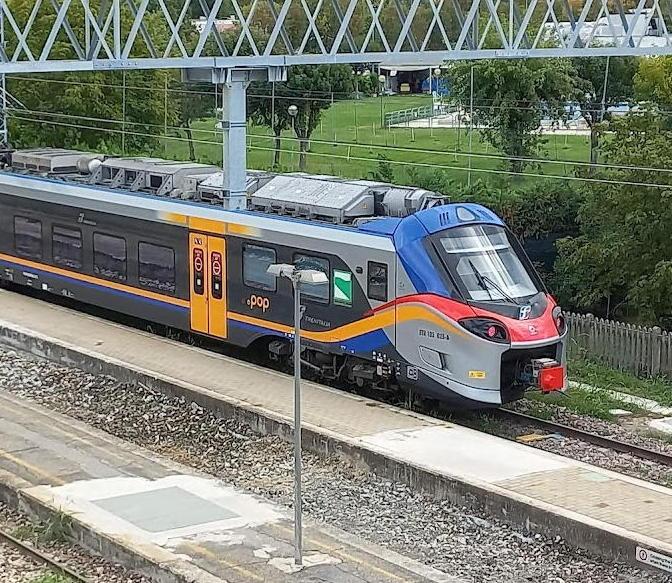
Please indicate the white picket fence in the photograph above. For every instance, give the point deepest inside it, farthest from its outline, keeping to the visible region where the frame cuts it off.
(641, 350)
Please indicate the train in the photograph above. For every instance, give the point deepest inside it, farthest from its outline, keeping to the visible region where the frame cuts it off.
(423, 297)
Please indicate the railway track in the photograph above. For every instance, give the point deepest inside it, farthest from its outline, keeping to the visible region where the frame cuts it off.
(39, 557)
(592, 438)
(566, 430)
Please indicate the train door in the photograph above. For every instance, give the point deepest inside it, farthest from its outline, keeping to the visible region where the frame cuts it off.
(208, 284)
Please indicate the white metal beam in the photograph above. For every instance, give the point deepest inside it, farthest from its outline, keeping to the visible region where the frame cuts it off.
(512, 29)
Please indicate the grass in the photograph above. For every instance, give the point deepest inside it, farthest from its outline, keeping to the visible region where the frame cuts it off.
(593, 403)
(355, 126)
(57, 529)
(51, 578)
(599, 375)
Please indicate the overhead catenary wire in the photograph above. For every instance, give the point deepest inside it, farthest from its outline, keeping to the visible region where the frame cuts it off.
(375, 160)
(327, 96)
(495, 157)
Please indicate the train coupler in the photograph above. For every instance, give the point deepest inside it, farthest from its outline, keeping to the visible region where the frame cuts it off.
(548, 375)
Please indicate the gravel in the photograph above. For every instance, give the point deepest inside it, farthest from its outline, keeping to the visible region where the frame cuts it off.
(16, 567)
(577, 449)
(452, 539)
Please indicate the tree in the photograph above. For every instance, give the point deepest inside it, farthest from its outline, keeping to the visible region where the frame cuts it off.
(85, 110)
(595, 97)
(308, 87)
(510, 99)
(195, 102)
(622, 257)
(652, 83)
(268, 108)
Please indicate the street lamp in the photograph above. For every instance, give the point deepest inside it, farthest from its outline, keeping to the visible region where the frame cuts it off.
(298, 277)
(381, 88)
(293, 111)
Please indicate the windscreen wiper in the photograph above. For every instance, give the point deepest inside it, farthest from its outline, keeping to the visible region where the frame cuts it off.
(501, 291)
(484, 279)
(479, 278)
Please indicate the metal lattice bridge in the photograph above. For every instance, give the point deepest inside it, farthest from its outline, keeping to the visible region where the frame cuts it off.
(60, 35)
(232, 42)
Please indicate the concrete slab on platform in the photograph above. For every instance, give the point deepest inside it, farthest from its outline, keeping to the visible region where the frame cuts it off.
(168, 521)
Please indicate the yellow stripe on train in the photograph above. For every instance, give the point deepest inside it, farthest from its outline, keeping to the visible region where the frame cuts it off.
(94, 280)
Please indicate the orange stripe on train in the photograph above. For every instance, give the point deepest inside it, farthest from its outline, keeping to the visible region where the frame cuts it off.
(94, 280)
(379, 320)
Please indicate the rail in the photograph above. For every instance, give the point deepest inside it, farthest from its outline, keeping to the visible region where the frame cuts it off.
(592, 438)
(41, 558)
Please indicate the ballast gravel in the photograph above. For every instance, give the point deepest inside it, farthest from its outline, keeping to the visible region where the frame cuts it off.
(453, 539)
(598, 456)
(16, 567)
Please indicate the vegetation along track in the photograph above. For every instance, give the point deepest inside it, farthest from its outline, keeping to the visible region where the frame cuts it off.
(31, 552)
(593, 438)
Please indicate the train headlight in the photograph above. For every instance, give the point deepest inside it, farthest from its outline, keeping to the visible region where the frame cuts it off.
(559, 319)
(486, 328)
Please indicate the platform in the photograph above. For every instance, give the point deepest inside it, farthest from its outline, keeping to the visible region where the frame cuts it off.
(609, 513)
(196, 527)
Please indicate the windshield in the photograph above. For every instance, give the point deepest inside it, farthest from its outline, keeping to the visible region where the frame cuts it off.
(486, 265)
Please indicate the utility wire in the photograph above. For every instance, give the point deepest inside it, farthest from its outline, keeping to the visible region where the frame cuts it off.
(495, 157)
(301, 95)
(374, 160)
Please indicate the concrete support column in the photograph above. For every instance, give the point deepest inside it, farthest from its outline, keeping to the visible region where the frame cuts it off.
(234, 141)
(232, 122)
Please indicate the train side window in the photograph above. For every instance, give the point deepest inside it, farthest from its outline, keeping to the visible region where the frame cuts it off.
(319, 292)
(256, 261)
(67, 247)
(377, 281)
(156, 267)
(109, 256)
(28, 237)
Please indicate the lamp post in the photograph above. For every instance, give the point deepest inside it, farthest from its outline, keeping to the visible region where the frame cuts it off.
(293, 111)
(297, 277)
(471, 121)
(381, 89)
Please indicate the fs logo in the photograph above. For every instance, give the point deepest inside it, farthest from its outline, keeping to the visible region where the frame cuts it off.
(524, 312)
(258, 302)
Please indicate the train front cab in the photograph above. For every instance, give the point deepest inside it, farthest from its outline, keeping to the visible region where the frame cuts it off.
(482, 328)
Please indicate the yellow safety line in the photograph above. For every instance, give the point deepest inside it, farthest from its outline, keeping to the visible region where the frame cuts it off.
(62, 431)
(32, 468)
(218, 559)
(343, 554)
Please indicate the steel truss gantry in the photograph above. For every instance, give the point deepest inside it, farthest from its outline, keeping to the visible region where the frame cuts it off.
(232, 42)
(60, 35)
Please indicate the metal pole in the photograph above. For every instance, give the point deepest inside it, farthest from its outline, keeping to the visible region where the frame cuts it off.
(431, 94)
(4, 130)
(356, 127)
(298, 542)
(224, 137)
(123, 112)
(295, 139)
(604, 90)
(165, 115)
(234, 141)
(382, 105)
(471, 122)
(273, 124)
